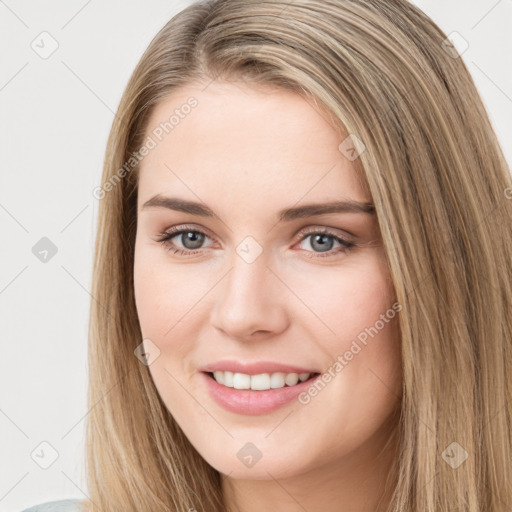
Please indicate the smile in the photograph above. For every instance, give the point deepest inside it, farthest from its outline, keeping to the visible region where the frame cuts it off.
(249, 401)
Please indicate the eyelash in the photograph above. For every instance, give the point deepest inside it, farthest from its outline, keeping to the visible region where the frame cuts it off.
(165, 238)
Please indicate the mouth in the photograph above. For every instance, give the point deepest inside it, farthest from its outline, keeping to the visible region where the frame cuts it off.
(256, 394)
(260, 382)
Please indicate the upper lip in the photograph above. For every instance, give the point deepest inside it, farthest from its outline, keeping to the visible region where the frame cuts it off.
(254, 368)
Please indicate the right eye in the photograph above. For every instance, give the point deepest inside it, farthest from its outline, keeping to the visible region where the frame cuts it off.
(194, 240)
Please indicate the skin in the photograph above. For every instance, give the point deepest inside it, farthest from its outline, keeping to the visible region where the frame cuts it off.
(248, 152)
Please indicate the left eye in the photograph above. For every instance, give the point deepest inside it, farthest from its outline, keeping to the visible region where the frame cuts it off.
(325, 240)
(319, 239)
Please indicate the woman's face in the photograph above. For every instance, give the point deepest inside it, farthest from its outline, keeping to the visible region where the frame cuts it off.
(253, 291)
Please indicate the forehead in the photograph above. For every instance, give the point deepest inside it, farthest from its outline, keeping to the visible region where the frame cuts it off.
(240, 140)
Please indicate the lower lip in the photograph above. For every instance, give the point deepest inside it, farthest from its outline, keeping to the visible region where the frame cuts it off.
(248, 401)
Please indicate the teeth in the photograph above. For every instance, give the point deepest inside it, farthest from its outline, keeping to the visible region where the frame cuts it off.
(241, 381)
(260, 382)
(291, 379)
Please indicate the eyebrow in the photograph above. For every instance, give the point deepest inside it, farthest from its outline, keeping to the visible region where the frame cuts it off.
(286, 215)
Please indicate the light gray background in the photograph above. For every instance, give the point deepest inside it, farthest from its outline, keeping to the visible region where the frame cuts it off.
(55, 117)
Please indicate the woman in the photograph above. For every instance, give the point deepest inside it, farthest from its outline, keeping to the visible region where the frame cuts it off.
(302, 278)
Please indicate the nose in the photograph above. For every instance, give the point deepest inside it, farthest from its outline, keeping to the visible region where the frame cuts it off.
(251, 301)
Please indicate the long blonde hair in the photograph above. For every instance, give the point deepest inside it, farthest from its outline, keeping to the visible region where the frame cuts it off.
(442, 192)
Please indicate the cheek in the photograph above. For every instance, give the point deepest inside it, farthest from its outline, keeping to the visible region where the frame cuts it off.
(163, 294)
(356, 329)
(347, 301)
(172, 306)
(355, 324)
(164, 300)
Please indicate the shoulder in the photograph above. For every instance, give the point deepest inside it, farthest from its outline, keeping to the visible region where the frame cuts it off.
(71, 505)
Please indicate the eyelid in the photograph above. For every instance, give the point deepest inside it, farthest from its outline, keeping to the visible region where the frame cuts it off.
(349, 237)
(176, 230)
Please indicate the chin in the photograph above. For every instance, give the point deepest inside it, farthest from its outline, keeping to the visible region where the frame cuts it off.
(276, 465)
(260, 471)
